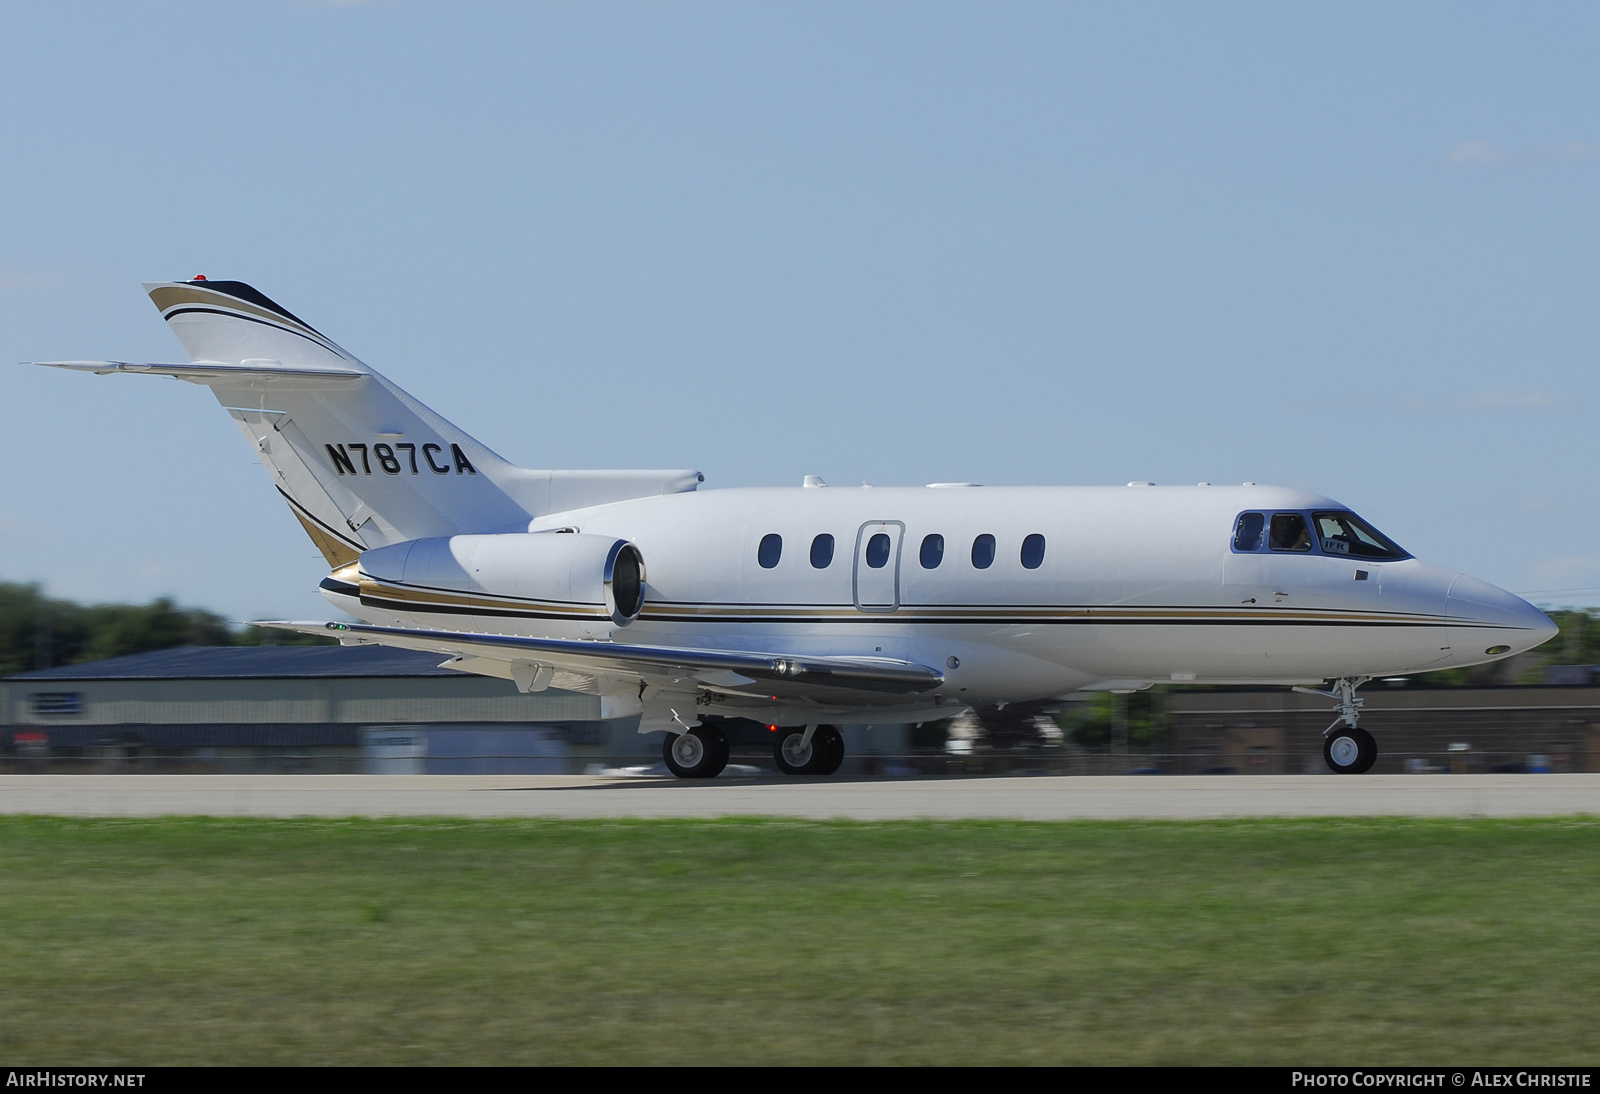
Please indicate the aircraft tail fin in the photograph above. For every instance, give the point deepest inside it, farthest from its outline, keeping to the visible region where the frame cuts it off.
(361, 463)
(228, 321)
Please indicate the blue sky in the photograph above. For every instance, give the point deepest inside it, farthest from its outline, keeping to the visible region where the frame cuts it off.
(1348, 247)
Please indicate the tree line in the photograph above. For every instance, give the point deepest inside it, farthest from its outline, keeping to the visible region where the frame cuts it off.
(40, 632)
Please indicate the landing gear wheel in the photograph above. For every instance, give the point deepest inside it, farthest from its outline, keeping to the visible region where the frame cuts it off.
(821, 755)
(832, 742)
(1350, 751)
(701, 753)
(792, 753)
(1369, 751)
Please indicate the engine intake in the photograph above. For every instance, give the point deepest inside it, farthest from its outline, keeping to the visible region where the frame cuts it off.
(624, 582)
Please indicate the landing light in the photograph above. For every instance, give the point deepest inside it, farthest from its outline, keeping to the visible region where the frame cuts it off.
(1493, 651)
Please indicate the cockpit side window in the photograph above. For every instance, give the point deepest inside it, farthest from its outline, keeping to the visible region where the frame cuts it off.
(1288, 532)
(1348, 534)
(1247, 533)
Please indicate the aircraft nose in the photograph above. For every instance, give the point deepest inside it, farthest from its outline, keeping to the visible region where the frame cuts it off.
(1487, 622)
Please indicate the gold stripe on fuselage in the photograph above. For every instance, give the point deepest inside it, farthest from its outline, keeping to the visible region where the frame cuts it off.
(444, 600)
(1027, 613)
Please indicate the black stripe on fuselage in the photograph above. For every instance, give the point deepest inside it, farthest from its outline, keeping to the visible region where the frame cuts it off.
(1060, 621)
(422, 608)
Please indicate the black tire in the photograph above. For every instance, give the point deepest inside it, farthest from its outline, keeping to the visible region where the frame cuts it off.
(1369, 751)
(822, 755)
(832, 752)
(1349, 751)
(701, 753)
(787, 754)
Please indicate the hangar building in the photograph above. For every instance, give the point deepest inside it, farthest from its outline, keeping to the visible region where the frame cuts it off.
(298, 708)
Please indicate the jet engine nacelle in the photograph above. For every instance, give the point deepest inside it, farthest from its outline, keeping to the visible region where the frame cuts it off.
(567, 571)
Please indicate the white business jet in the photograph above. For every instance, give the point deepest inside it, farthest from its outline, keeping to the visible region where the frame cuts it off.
(809, 607)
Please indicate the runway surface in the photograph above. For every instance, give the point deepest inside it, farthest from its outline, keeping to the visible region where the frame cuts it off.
(1013, 798)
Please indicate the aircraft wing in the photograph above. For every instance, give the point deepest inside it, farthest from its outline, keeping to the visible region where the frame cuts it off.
(725, 669)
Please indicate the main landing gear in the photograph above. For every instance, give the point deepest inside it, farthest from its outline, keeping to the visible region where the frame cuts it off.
(699, 753)
(1350, 750)
(814, 750)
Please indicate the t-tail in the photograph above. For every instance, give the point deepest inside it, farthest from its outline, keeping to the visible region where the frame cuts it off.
(361, 463)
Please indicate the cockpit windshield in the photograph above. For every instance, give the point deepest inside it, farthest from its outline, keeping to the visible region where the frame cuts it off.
(1348, 534)
(1341, 534)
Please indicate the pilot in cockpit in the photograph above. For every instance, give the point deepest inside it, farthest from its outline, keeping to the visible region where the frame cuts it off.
(1288, 532)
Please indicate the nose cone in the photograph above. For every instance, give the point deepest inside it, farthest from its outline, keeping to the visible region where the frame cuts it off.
(1488, 623)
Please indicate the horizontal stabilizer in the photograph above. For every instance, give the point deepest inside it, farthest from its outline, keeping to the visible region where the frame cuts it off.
(211, 372)
(874, 674)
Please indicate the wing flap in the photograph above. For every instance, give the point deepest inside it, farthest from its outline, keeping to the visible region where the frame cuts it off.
(713, 667)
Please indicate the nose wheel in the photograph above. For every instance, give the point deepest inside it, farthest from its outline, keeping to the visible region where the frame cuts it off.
(1346, 748)
(1349, 751)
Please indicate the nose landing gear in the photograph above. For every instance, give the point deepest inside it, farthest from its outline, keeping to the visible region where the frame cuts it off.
(1351, 750)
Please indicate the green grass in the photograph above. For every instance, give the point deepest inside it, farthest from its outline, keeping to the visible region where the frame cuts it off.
(1311, 942)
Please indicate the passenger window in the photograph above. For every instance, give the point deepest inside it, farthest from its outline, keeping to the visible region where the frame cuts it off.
(1033, 552)
(983, 552)
(770, 551)
(822, 551)
(878, 551)
(1288, 532)
(932, 551)
(1247, 533)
